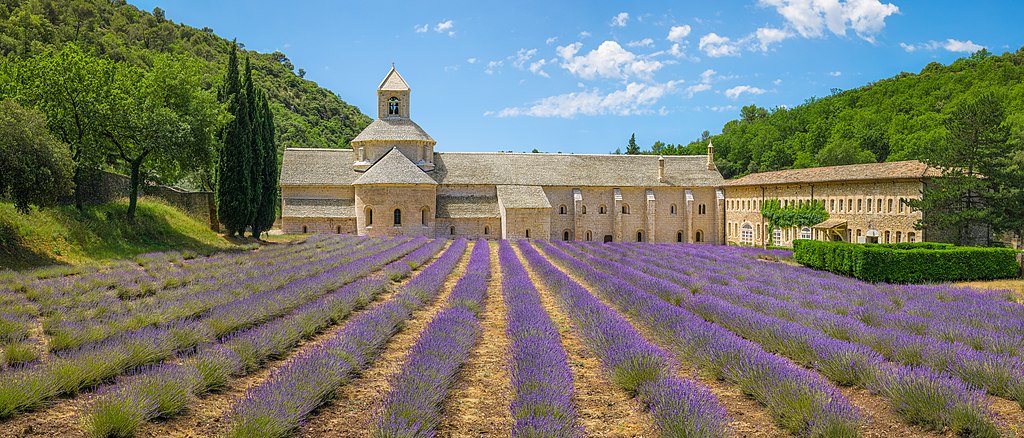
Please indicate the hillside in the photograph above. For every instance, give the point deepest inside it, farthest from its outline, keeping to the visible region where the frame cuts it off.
(63, 235)
(893, 119)
(305, 114)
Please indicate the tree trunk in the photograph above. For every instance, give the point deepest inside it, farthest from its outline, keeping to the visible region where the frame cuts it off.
(133, 188)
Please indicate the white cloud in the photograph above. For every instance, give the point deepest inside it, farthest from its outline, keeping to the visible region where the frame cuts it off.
(835, 74)
(493, 66)
(952, 45)
(609, 60)
(537, 67)
(646, 42)
(704, 85)
(766, 36)
(522, 57)
(677, 33)
(722, 108)
(810, 17)
(584, 34)
(717, 46)
(777, 82)
(444, 26)
(471, 60)
(550, 40)
(421, 28)
(620, 19)
(735, 92)
(635, 98)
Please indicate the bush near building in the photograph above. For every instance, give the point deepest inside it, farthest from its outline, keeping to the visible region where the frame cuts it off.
(908, 262)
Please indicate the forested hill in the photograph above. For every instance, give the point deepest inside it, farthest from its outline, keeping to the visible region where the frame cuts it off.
(893, 119)
(305, 115)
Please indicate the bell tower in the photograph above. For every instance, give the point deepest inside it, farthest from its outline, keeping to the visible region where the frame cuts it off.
(393, 97)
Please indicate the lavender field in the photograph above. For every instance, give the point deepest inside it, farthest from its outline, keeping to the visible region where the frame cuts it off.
(403, 337)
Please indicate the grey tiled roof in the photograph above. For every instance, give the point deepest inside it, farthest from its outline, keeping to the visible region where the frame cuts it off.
(393, 129)
(393, 168)
(334, 167)
(523, 197)
(317, 167)
(318, 208)
(911, 169)
(393, 82)
(467, 207)
(579, 170)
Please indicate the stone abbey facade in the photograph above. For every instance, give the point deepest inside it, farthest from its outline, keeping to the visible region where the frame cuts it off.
(392, 182)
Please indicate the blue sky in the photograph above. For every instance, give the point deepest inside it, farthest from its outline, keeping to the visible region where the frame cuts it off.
(582, 76)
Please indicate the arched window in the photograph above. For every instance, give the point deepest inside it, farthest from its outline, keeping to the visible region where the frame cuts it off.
(451, 230)
(398, 217)
(590, 236)
(702, 209)
(625, 208)
(679, 237)
(565, 235)
(339, 229)
(304, 229)
(911, 237)
(393, 106)
(672, 209)
(369, 216)
(561, 209)
(639, 236)
(602, 209)
(887, 237)
(805, 233)
(699, 237)
(487, 230)
(583, 210)
(899, 236)
(889, 210)
(527, 233)
(747, 234)
(424, 212)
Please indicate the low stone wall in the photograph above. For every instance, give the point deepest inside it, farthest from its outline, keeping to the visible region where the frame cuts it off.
(103, 187)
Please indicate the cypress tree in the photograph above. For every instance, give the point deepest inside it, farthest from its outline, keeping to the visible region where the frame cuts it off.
(235, 207)
(267, 210)
(254, 147)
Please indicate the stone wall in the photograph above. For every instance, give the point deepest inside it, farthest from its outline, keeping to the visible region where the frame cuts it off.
(893, 220)
(416, 203)
(470, 228)
(318, 225)
(103, 187)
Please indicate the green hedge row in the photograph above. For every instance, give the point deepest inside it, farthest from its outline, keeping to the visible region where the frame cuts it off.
(907, 262)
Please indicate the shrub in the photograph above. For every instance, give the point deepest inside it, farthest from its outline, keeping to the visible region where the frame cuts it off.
(907, 262)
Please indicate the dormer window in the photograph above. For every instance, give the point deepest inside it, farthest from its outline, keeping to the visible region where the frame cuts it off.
(393, 106)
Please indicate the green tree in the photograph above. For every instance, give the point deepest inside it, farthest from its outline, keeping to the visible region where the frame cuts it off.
(35, 167)
(235, 206)
(266, 211)
(965, 201)
(161, 119)
(632, 148)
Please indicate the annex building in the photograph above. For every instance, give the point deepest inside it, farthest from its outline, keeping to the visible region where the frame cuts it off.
(392, 182)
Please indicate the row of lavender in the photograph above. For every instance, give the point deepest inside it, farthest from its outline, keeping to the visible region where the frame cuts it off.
(74, 370)
(927, 397)
(277, 406)
(679, 407)
(164, 391)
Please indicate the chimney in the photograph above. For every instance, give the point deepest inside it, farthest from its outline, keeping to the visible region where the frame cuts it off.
(711, 156)
(661, 169)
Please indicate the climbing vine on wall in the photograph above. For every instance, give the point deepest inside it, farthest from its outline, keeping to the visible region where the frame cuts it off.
(804, 214)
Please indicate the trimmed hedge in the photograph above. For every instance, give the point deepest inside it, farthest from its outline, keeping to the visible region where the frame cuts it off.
(907, 262)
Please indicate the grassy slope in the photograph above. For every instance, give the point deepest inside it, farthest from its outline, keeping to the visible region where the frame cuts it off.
(63, 235)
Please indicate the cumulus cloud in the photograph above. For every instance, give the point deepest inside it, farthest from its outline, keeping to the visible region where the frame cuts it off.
(584, 34)
(421, 28)
(493, 66)
(635, 98)
(550, 40)
(717, 46)
(646, 42)
(677, 33)
(704, 85)
(952, 45)
(735, 92)
(620, 19)
(522, 57)
(810, 18)
(471, 60)
(537, 67)
(609, 60)
(444, 26)
(766, 36)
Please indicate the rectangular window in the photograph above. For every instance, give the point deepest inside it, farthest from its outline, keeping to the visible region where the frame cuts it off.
(840, 205)
(890, 211)
(901, 205)
(832, 206)
(860, 205)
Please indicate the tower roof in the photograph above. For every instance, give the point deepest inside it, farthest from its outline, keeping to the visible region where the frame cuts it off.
(394, 168)
(393, 82)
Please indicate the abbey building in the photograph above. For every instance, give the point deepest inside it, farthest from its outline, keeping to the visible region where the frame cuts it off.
(392, 182)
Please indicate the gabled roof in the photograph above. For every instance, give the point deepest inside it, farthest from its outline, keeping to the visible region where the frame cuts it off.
(911, 169)
(522, 197)
(393, 82)
(463, 207)
(394, 168)
(317, 167)
(393, 129)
